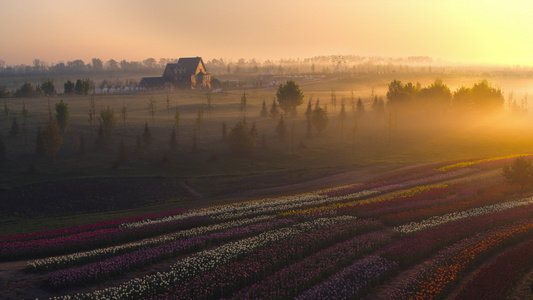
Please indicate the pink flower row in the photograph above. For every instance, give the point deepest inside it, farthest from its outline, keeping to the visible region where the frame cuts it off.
(87, 227)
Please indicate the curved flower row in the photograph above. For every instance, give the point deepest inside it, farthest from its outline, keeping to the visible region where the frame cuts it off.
(90, 239)
(497, 279)
(336, 206)
(87, 227)
(292, 280)
(470, 163)
(414, 247)
(225, 280)
(103, 269)
(436, 275)
(58, 262)
(208, 260)
(457, 215)
(353, 281)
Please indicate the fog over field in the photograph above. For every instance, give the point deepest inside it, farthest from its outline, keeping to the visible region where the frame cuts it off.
(266, 149)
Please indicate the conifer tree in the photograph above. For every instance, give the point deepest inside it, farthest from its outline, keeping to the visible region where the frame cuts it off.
(281, 129)
(264, 110)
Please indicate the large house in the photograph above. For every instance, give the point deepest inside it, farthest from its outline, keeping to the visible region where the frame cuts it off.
(188, 72)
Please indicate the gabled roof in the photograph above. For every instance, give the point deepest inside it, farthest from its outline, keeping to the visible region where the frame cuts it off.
(189, 65)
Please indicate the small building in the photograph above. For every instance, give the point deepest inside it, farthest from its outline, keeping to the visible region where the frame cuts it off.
(188, 73)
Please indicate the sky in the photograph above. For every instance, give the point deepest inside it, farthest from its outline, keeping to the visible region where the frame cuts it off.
(470, 32)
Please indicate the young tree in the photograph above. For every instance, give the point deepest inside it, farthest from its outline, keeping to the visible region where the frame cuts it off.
(243, 104)
(6, 112)
(224, 131)
(79, 144)
(209, 98)
(173, 143)
(15, 129)
(147, 136)
(281, 129)
(151, 108)
(3, 151)
(320, 119)
(264, 110)
(177, 118)
(39, 144)
(62, 115)
(52, 139)
(289, 96)
(308, 114)
(360, 110)
(333, 101)
(519, 172)
(240, 140)
(92, 112)
(342, 117)
(107, 121)
(274, 112)
(124, 114)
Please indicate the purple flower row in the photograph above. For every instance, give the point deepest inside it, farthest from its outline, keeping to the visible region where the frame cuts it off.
(225, 280)
(292, 280)
(90, 240)
(415, 247)
(148, 255)
(354, 281)
(86, 227)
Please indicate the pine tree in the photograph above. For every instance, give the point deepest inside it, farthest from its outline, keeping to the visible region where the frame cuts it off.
(264, 111)
(15, 129)
(274, 112)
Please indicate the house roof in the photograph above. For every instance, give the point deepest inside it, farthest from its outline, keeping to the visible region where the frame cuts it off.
(153, 81)
(187, 65)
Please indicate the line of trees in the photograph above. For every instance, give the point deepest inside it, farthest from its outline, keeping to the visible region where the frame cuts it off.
(482, 96)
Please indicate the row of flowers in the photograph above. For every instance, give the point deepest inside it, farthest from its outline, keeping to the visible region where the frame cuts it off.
(207, 261)
(115, 265)
(482, 162)
(435, 276)
(59, 262)
(318, 210)
(457, 215)
(354, 281)
(294, 279)
(91, 239)
(87, 227)
(415, 247)
(225, 280)
(497, 279)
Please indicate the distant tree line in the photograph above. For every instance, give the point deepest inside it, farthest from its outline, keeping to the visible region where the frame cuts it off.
(482, 96)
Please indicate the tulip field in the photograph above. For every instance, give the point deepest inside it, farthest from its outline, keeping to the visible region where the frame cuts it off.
(451, 230)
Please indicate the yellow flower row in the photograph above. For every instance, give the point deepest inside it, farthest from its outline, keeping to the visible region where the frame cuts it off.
(469, 163)
(335, 206)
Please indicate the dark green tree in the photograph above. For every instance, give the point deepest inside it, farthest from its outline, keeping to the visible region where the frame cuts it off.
(308, 114)
(240, 139)
(82, 87)
(289, 96)
(274, 112)
(52, 139)
(435, 96)
(25, 91)
(264, 110)
(69, 87)
(48, 88)
(62, 115)
(108, 121)
(520, 172)
(462, 99)
(485, 97)
(320, 119)
(243, 104)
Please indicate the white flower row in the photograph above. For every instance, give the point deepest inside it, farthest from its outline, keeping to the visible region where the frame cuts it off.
(206, 260)
(226, 209)
(439, 220)
(109, 251)
(256, 207)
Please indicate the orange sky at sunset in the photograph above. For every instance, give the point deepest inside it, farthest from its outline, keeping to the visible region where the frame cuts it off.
(478, 32)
